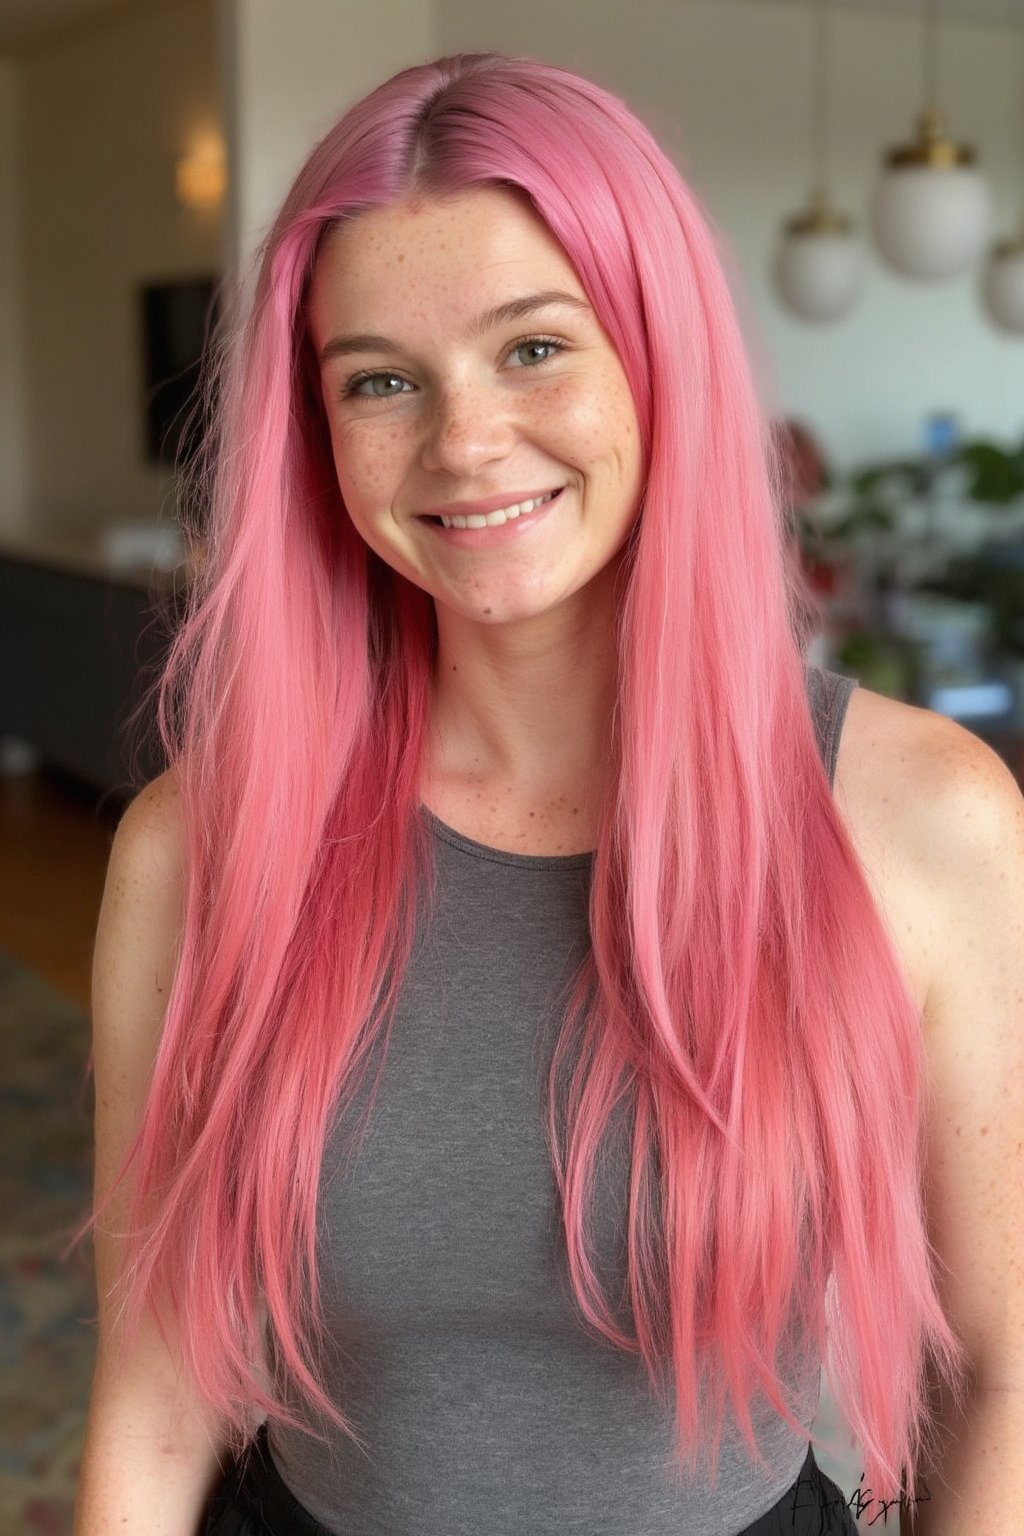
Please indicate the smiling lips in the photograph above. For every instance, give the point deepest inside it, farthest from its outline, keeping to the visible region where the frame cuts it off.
(498, 526)
(485, 505)
(499, 515)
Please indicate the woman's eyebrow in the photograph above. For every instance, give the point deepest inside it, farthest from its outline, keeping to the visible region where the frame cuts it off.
(500, 314)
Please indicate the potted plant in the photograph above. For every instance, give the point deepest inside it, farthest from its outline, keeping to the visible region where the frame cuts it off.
(899, 553)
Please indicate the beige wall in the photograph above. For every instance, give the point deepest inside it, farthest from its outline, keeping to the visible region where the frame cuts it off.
(725, 84)
(104, 117)
(13, 468)
(293, 70)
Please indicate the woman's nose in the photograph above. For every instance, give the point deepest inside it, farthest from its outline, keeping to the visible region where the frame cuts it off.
(469, 426)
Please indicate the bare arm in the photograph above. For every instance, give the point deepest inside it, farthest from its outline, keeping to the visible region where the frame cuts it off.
(970, 817)
(149, 1460)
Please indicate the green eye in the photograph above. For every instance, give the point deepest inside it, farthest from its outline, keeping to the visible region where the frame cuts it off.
(353, 387)
(538, 341)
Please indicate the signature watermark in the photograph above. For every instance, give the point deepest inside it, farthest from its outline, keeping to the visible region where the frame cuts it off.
(821, 1494)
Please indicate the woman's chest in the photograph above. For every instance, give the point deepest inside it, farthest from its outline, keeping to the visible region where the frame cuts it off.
(542, 822)
(874, 774)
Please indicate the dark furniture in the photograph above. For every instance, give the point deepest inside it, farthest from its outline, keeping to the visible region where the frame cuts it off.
(78, 642)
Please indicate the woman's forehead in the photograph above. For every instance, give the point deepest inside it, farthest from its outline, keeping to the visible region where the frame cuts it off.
(463, 249)
(491, 219)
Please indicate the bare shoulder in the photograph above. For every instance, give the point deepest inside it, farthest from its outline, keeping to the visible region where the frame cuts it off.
(917, 773)
(149, 843)
(155, 812)
(929, 806)
(140, 913)
(134, 956)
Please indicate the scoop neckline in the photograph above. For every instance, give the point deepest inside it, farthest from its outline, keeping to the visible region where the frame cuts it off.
(535, 861)
(469, 845)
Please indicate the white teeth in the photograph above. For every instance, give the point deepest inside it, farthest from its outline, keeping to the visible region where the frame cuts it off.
(494, 519)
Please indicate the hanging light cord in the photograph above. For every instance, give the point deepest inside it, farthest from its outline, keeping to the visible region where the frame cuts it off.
(1020, 29)
(931, 94)
(819, 125)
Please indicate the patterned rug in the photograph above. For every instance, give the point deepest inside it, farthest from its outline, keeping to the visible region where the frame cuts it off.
(47, 1341)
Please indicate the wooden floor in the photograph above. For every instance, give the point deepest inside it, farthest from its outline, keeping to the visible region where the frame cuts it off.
(55, 837)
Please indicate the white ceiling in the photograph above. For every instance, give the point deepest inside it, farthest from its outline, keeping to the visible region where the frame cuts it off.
(27, 25)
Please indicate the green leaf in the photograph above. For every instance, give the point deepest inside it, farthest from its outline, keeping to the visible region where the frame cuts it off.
(996, 478)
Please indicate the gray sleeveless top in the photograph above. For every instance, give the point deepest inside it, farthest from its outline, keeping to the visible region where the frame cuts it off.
(456, 1343)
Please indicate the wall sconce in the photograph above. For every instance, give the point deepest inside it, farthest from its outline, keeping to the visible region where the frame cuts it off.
(200, 178)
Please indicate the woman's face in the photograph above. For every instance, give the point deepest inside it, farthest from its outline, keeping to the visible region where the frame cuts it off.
(432, 401)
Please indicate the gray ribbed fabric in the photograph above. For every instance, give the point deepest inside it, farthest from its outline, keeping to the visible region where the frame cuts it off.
(457, 1347)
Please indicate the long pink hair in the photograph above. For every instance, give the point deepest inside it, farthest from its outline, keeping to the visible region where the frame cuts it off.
(740, 983)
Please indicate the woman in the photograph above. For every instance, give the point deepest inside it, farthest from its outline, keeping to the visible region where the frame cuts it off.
(539, 1065)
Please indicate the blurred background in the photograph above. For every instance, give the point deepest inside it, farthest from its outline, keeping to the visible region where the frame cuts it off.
(863, 161)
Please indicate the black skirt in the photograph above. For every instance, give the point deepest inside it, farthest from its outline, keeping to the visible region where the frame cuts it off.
(252, 1499)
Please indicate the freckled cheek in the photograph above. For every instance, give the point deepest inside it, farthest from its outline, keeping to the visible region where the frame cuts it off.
(595, 428)
(585, 421)
(370, 466)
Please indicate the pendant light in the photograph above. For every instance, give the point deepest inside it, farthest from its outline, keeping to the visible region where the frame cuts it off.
(819, 264)
(1002, 288)
(931, 208)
